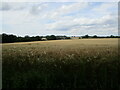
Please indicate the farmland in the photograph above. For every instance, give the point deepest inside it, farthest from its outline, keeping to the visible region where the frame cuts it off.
(82, 63)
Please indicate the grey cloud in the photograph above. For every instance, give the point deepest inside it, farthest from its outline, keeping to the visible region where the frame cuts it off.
(5, 7)
(37, 9)
(86, 23)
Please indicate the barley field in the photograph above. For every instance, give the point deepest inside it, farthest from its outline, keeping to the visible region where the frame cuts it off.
(82, 63)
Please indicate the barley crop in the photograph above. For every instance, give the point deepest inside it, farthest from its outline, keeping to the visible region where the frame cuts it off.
(84, 63)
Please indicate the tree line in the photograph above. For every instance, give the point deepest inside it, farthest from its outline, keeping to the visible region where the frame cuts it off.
(10, 38)
(95, 36)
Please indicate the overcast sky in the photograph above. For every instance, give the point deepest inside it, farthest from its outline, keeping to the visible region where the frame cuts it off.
(60, 18)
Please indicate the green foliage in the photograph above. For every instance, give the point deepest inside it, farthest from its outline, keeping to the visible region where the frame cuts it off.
(13, 38)
(86, 36)
(95, 36)
(52, 37)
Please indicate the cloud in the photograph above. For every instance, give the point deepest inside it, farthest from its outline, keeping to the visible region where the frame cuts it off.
(38, 8)
(61, 1)
(13, 6)
(64, 9)
(59, 18)
(83, 22)
(5, 7)
(105, 8)
(71, 8)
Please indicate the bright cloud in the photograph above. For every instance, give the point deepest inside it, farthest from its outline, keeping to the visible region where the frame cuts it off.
(65, 18)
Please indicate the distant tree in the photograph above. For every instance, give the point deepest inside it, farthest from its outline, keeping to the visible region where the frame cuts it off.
(80, 37)
(67, 38)
(111, 36)
(20, 39)
(52, 37)
(0, 38)
(86, 36)
(27, 36)
(8, 38)
(95, 36)
(38, 38)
